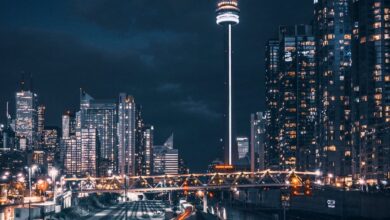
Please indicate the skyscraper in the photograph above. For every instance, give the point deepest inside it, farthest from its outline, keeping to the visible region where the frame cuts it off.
(371, 87)
(243, 147)
(41, 118)
(171, 161)
(272, 102)
(26, 124)
(139, 140)
(126, 135)
(80, 153)
(332, 27)
(50, 145)
(2, 146)
(297, 116)
(68, 124)
(50, 137)
(166, 158)
(102, 116)
(146, 152)
(7, 134)
(72, 156)
(87, 142)
(257, 141)
(228, 15)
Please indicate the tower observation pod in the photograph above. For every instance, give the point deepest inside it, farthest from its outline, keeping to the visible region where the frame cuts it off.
(227, 13)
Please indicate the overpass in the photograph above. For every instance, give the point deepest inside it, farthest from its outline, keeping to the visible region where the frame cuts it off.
(190, 182)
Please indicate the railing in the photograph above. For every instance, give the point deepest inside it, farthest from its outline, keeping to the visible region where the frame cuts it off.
(190, 182)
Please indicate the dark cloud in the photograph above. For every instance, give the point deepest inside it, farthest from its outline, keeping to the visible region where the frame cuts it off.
(201, 108)
(125, 15)
(168, 54)
(169, 87)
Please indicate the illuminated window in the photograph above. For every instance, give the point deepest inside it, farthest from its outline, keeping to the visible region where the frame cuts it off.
(375, 37)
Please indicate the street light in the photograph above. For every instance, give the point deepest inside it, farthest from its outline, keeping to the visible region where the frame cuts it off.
(126, 204)
(362, 182)
(53, 173)
(30, 170)
(109, 172)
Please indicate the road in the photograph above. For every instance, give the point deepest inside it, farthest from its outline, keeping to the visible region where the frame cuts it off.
(153, 210)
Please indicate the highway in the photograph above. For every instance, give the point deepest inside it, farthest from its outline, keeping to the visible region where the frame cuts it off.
(153, 210)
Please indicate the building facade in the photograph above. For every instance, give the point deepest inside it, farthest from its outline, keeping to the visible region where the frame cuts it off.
(126, 135)
(242, 146)
(41, 118)
(102, 116)
(80, 157)
(26, 122)
(272, 103)
(257, 141)
(72, 156)
(371, 88)
(165, 158)
(297, 86)
(145, 154)
(68, 124)
(332, 27)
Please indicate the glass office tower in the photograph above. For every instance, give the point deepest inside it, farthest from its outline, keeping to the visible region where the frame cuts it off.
(26, 123)
(102, 116)
(126, 135)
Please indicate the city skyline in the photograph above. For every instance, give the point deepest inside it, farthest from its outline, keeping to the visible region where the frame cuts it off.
(178, 115)
(181, 91)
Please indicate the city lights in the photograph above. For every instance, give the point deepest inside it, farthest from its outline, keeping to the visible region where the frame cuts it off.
(298, 128)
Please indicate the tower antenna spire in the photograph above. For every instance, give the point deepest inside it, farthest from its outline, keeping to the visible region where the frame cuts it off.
(8, 116)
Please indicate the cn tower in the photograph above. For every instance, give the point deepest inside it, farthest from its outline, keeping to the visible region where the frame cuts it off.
(228, 15)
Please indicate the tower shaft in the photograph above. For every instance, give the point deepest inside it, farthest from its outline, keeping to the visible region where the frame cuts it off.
(230, 134)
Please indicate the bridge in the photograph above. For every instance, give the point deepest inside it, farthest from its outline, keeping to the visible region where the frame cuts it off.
(190, 182)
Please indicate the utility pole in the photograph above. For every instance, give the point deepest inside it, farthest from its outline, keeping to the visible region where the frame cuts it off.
(126, 204)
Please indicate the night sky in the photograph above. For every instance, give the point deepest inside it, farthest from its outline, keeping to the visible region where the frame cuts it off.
(168, 54)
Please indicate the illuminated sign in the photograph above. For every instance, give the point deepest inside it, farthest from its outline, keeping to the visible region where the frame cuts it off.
(331, 203)
(224, 167)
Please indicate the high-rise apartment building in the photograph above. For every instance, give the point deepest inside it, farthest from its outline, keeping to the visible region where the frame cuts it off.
(72, 156)
(87, 142)
(80, 153)
(332, 27)
(371, 88)
(272, 102)
(297, 115)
